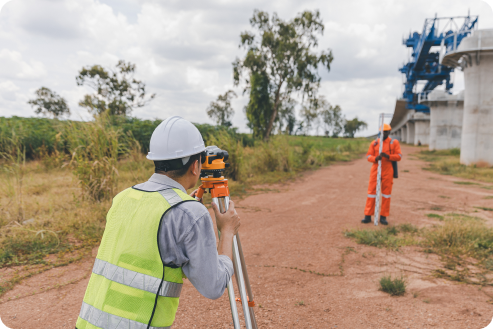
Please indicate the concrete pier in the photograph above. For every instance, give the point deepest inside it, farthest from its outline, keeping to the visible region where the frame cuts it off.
(475, 56)
(410, 132)
(421, 128)
(446, 112)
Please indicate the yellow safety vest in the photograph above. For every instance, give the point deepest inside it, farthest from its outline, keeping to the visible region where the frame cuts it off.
(129, 285)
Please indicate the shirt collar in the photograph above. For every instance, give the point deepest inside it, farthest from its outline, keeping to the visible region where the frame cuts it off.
(165, 180)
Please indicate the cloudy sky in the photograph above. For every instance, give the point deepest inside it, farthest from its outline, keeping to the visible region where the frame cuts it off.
(184, 49)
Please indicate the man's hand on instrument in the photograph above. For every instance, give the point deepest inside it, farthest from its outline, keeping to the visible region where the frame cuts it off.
(385, 155)
(229, 222)
(194, 195)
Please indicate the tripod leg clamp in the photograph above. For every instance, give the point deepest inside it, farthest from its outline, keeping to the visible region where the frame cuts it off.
(250, 303)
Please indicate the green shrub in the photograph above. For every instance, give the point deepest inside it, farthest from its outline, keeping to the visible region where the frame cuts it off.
(377, 238)
(39, 135)
(484, 208)
(437, 216)
(466, 183)
(408, 228)
(394, 287)
(460, 236)
(33, 133)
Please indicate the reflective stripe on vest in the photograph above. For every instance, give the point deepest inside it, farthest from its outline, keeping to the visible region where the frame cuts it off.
(386, 196)
(171, 196)
(373, 196)
(130, 287)
(135, 279)
(105, 320)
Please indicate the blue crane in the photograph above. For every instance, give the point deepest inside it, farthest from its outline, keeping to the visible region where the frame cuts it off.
(424, 65)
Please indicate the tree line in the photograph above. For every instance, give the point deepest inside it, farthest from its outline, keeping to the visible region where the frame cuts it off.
(279, 68)
(280, 73)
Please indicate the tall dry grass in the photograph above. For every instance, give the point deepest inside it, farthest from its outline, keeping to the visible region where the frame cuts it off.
(53, 208)
(13, 162)
(283, 157)
(95, 148)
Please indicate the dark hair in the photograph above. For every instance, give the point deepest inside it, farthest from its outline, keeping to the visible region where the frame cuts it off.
(175, 167)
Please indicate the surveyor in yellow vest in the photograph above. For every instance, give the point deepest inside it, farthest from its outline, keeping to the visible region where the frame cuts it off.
(156, 235)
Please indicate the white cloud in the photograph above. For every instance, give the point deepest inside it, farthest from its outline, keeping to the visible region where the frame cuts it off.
(8, 90)
(183, 50)
(364, 98)
(13, 66)
(201, 78)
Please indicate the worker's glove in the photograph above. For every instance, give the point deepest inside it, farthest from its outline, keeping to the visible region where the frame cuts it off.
(385, 155)
(378, 158)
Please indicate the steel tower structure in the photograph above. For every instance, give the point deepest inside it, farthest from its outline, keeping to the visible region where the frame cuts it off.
(424, 65)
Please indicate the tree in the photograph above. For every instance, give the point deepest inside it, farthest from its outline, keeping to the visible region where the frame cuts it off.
(310, 114)
(286, 117)
(221, 110)
(49, 103)
(352, 126)
(281, 53)
(115, 91)
(331, 117)
(259, 108)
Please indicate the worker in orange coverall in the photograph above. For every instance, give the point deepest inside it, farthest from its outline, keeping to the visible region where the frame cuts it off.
(391, 151)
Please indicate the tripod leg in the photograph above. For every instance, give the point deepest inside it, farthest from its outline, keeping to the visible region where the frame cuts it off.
(247, 282)
(223, 204)
(231, 290)
(241, 286)
(232, 304)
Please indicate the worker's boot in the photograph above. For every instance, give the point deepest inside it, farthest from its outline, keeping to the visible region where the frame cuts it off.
(366, 220)
(383, 220)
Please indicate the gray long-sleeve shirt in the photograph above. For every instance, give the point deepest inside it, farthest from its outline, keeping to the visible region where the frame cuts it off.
(187, 240)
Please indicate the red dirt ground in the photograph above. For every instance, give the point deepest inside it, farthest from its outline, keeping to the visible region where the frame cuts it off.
(302, 226)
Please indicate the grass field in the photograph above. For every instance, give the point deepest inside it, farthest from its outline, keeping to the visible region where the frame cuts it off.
(53, 208)
(447, 162)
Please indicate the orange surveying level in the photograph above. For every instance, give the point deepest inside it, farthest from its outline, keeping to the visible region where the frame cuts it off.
(212, 178)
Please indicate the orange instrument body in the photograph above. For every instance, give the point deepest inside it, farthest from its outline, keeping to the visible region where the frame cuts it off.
(211, 173)
(217, 188)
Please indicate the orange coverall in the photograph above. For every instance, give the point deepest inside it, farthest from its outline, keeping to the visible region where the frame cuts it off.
(393, 149)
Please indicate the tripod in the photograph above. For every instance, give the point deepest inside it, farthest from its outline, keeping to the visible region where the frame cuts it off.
(218, 187)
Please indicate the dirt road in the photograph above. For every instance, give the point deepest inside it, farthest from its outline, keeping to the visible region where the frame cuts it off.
(301, 225)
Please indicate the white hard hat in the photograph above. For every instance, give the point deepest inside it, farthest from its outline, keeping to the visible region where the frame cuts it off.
(175, 138)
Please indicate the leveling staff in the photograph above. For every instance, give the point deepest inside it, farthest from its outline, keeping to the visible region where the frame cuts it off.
(391, 152)
(156, 235)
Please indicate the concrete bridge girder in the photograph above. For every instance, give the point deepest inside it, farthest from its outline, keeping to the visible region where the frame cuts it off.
(409, 126)
(414, 132)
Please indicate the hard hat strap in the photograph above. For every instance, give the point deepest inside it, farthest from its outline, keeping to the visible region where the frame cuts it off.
(175, 164)
(169, 165)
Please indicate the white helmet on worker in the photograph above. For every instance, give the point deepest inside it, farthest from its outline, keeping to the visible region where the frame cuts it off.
(175, 138)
